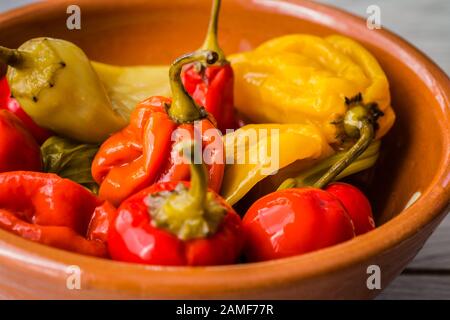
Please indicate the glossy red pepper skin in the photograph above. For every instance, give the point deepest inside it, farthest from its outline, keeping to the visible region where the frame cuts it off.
(133, 238)
(18, 149)
(101, 221)
(143, 153)
(11, 104)
(45, 208)
(357, 205)
(212, 87)
(294, 221)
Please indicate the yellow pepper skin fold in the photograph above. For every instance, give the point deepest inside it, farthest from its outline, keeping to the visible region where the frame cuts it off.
(256, 151)
(298, 78)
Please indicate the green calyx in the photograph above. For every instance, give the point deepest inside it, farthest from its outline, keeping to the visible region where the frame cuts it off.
(189, 213)
(360, 122)
(358, 115)
(183, 108)
(211, 40)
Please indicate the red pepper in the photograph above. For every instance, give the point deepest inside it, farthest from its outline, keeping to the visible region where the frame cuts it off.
(100, 223)
(356, 204)
(294, 221)
(18, 149)
(11, 104)
(145, 152)
(45, 208)
(212, 86)
(176, 223)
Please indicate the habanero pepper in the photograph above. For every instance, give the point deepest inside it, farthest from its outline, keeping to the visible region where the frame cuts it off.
(9, 103)
(300, 220)
(176, 223)
(45, 208)
(300, 77)
(357, 205)
(146, 151)
(294, 221)
(212, 86)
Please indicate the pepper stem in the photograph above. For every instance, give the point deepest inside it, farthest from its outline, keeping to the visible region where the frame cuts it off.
(12, 57)
(211, 40)
(183, 108)
(366, 136)
(199, 182)
(359, 122)
(366, 160)
(188, 213)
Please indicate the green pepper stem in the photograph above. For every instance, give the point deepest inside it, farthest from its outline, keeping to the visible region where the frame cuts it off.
(12, 57)
(360, 122)
(366, 136)
(183, 108)
(199, 185)
(366, 160)
(188, 213)
(211, 40)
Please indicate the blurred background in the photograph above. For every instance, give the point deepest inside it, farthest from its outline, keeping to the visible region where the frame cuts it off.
(426, 24)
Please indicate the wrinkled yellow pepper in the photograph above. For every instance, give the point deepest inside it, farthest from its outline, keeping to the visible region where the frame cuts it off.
(257, 151)
(300, 77)
(320, 92)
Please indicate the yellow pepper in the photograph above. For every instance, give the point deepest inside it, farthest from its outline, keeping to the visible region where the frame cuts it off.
(325, 94)
(255, 152)
(264, 155)
(299, 77)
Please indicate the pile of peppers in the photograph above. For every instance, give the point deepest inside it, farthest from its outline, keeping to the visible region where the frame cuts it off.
(168, 182)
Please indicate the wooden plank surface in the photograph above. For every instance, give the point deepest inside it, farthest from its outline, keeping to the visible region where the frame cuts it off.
(426, 24)
(418, 287)
(435, 255)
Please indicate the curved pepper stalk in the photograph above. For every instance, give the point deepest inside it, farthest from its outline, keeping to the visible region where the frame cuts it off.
(360, 122)
(183, 108)
(211, 40)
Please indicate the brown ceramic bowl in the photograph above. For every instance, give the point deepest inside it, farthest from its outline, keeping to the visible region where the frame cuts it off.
(416, 153)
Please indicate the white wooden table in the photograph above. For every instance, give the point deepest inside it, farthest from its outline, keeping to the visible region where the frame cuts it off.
(426, 24)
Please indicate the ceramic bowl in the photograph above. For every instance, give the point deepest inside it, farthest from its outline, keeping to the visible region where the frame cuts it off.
(414, 164)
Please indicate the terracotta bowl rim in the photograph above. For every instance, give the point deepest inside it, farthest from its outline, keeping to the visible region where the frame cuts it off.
(101, 273)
